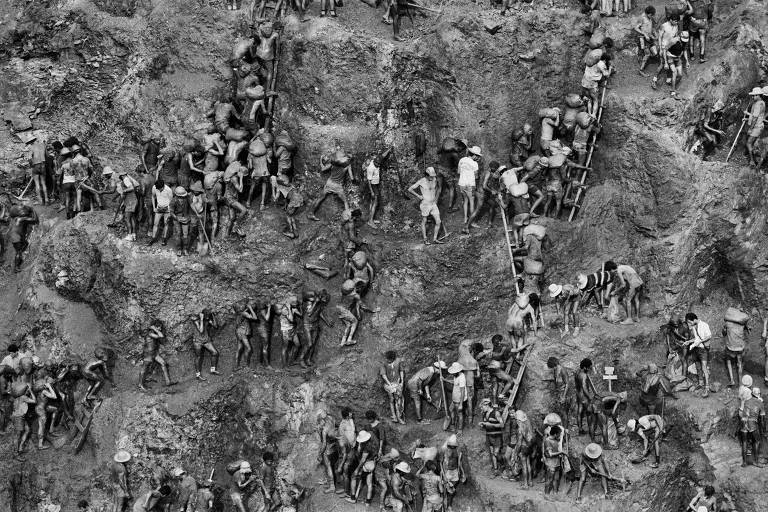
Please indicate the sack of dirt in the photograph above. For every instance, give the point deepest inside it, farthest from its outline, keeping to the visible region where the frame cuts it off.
(556, 160)
(569, 117)
(234, 466)
(267, 138)
(593, 57)
(536, 230)
(533, 267)
(255, 93)
(284, 140)
(189, 144)
(736, 316)
(18, 389)
(583, 119)
(340, 159)
(426, 453)
(235, 134)
(257, 147)
(613, 310)
(573, 100)
(550, 113)
(597, 39)
(210, 179)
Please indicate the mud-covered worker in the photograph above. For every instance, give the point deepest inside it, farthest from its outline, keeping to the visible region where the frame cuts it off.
(96, 372)
(612, 405)
(650, 428)
(329, 448)
(585, 395)
(245, 317)
(451, 468)
(524, 446)
(628, 285)
(23, 414)
(419, 386)
(755, 124)
(151, 352)
(428, 192)
(347, 440)
(119, 473)
(398, 9)
(186, 490)
(157, 499)
(37, 154)
(653, 382)
(180, 211)
(21, 220)
(204, 501)
(493, 424)
(393, 375)
(502, 381)
(467, 352)
(162, 195)
(373, 177)
(432, 488)
(698, 26)
(290, 316)
(487, 198)
(705, 498)
(646, 30)
(350, 309)
(264, 310)
(710, 128)
(150, 152)
(515, 324)
(340, 167)
(522, 143)
(205, 323)
(548, 128)
(458, 396)
(267, 481)
(753, 427)
(562, 395)
(400, 497)
(468, 168)
(552, 451)
(359, 270)
(314, 305)
(567, 299)
(241, 486)
(593, 464)
(676, 335)
(590, 82)
(266, 42)
(698, 347)
(735, 334)
(676, 57)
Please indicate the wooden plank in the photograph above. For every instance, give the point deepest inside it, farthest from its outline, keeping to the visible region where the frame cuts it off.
(520, 373)
(509, 249)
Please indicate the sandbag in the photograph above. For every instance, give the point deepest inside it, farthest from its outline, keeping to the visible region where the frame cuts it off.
(254, 93)
(522, 301)
(267, 138)
(18, 389)
(449, 145)
(340, 159)
(519, 189)
(284, 140)
(234, 466)
(557, 160)
(231, 170)
(583, 119)
(573, 100)
(241, 49)
(597, 39)
(235, 134)
(533, 267)
(257, 147)
(189, 144)
(426, 453)
(535, 230)
(210, 140)
(613, 310)
(569, 117)
(736, 316)
(551, 113)
(209, 180)
(593, 57)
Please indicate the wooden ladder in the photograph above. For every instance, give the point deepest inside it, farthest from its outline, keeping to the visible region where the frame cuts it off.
(576, 201)
(510, 249)
(520, 373)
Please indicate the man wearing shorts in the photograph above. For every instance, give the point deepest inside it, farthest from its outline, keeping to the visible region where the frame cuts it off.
(37, 155)
(468, 168)
(233, 187)
(493, 424)
(161, 202)
(21, 219)
(373, 176)
(666, 36)
(430, 191)
(340, 165)
(419, 385)
(628, 283)
(699, 348)
(735, 335)
(67, 178)
(259, 166)
(645, 29)
(755, 123)
(548, 127)
(701, 17)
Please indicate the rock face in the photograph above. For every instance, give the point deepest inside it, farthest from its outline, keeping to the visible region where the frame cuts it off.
(112, 72)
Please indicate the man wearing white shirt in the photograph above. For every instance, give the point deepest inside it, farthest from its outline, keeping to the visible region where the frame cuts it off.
(13, 358)
(468, 168)
(699, 348)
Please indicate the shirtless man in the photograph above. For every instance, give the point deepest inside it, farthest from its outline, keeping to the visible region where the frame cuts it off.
(500, 379)
(245, 316)
(180, 210)
(151, 351)
(585, 396)
(646, 29)
(393, 375)
(701, 17)
(490, 188)
(522, 142)
(516, 321)
(96, 372)
(650, 429)
(628, 284)
(329, 448)
(22, 218)
(290, 315)
(554, 175)
(205, 323)
(119, 473)
(755, 124)
(314, 304)
(430, 191)
(350, 313)
(232, 190)
(561, 395)
(150, 151)
(266, 42)
(264, 311)
(37, 154)
(451, 468)
(665, 37)
(567, 299)
(676, 56)
(359, 270)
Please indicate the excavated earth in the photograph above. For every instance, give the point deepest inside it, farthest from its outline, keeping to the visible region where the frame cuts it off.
(113, 72)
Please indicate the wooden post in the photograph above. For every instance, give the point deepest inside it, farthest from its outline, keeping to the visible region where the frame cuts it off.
(610, 376)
